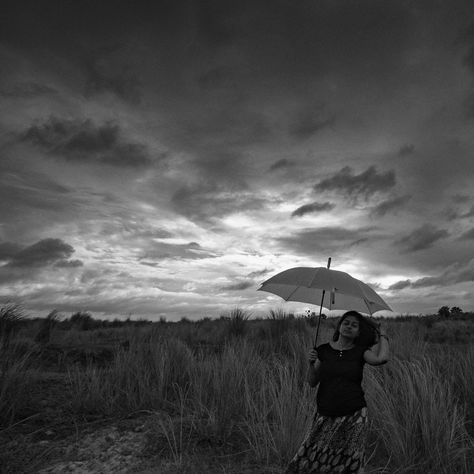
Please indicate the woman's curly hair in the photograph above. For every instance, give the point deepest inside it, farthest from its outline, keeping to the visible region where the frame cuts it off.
(368, 332)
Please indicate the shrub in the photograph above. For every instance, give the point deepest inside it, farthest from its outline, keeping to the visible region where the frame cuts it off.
(444, 311)
(83, 321)
(236, 323)
(43, 335)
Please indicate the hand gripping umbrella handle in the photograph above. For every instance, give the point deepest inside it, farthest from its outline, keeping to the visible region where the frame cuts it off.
(321, 309)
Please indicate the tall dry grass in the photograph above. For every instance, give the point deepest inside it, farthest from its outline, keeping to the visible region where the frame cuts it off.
(418, 423)
(253, 389)
(140, 378)
(16, 376)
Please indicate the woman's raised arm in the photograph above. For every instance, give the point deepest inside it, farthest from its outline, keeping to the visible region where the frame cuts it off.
(380, 355)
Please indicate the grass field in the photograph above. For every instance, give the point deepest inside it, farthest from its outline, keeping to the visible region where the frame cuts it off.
(229, 395)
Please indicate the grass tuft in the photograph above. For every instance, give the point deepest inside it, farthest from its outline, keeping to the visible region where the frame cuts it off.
(236, 323)
(12, 317)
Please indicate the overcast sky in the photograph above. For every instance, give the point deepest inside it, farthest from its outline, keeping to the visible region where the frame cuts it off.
(164, 158)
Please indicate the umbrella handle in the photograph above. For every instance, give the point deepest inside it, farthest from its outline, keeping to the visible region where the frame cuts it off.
(321, 309)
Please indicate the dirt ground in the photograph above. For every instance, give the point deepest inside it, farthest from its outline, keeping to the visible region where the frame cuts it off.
(49, 439)
(46, 437)
(120, 446)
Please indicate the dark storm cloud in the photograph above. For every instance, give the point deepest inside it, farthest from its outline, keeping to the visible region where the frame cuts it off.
(354, 186)
(77, 140)
(453, 214)
(389, 206)
(31, 201)
(69, 264)
(296, 42)
(406, 150)
(308, 37)
(163, 250)
(461, 198)
(245, 283)
(215, 26)
(22, 191)
(442, 166)
(456, 273)
(400, 285)
(74, 26)
(216, 139)
(41, 254)
(123, 83)
(8, 250)
(213, 201)
(93, 275)
(468, 235)
(325, 239)
(137, 229)
(282, 164)
(313, 208)
(309, 122)
(242, 285)
(27, 90)
(422, 238)
(220, 84)
(222, 165)
(468, 40)
(222, 131)
(467, 214)
(218, 78)
(278, 44)
(258, 273)
(15, 175)
(469, 106)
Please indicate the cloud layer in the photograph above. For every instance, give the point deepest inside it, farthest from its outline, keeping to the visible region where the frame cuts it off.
(84, 141)
(166, 161)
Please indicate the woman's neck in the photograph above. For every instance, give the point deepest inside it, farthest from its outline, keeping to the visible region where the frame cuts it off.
(345, 342)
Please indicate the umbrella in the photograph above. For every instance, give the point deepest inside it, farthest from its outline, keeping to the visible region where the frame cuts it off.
(309, 285)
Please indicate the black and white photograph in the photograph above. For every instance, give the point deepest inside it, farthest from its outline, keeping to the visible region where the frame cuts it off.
(237, 237)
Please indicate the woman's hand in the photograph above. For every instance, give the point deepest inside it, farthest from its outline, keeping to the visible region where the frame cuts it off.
(312, 356)
(314, 369)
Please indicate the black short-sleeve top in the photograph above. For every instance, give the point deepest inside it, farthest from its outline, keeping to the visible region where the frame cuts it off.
(340, 392)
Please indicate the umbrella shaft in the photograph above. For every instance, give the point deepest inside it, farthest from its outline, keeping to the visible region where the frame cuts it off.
(321, 308)
(319, 319)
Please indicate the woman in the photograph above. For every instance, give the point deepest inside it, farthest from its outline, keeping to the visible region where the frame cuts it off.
(336, 439)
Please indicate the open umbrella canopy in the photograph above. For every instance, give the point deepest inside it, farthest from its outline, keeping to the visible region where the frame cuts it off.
(307, 284)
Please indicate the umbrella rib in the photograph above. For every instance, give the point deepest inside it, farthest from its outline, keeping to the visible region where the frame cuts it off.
(313, 277)
(367, 302)
(291, 294)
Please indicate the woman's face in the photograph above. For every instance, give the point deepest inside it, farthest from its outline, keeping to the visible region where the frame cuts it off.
(350, 327)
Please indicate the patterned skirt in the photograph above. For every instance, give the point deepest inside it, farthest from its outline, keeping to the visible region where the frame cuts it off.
(332, 445)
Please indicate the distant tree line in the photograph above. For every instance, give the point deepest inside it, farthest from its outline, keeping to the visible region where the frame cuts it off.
(454, 312)
(84, 321)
